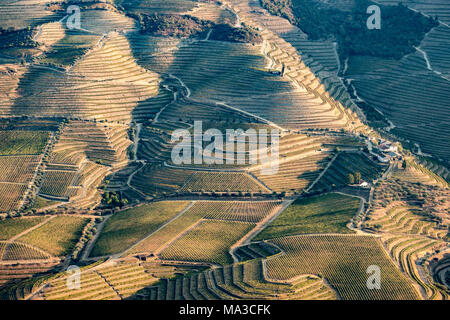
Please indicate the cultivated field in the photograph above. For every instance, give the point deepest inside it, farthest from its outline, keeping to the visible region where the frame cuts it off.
(58, 236)
(343, 261)
(345, 164)
(329, 213)
(238, 281)
(245, 211)
(223, 182)
(18, 142)
(88, 178)
(208, 241)
(20, 155)
(13, 227)
(212, 211)
(127, 227)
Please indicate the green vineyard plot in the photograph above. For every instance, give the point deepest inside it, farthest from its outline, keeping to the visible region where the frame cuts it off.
(345, 164)
(58, 236)
(329, 213)
(343, 261)
(209, 241)
(213, 211)
(127, 227)
(13, 227)
(17, 142)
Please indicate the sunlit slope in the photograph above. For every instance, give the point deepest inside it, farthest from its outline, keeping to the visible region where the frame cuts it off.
(316, 77)
(104, 84)
(320, 56)
(23, 13)
(50, 34)
(104, 21)
(10, 75)
(84, 154)
(235, 74)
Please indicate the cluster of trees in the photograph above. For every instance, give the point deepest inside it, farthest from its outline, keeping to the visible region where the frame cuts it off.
(401, 28)
(90, 5)
(22, 38)
(282, 8)
(245, 34)
(185, 26)
(172, 25)
(353, 178)
(113, 199)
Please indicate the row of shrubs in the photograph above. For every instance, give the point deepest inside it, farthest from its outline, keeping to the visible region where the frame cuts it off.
(87, 234)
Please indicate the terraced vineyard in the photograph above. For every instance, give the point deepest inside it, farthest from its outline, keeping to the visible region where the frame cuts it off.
(343, 261)
(93, 117)
(160, 6)
(328, 213)
(408, 220)
(82, 157)
(397, 88)
(17, 281)
(94, 286)
(127, 227)
(20, 251)
(239, 281)
(20, 155)
(429, 7)
(132, 281)
(11, 196)
(17, 142)
(436, 49)
(58, 236)
(416, 174)
(20, 16)
(56, 182)
(18, 169)
(95, 66)
(300, 162)
(222, 182)
(295, 175)
(208, 241)
(345, 164)
(193, 63)
(405, 251)
(244, 211)
(211, 211)
(110, 282)
(155, 179)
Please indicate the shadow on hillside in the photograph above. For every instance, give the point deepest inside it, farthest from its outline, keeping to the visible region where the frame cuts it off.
(147, 109)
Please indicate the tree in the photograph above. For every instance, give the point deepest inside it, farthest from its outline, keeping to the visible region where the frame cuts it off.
(357, 177)
(350, 179)
(404, 164)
